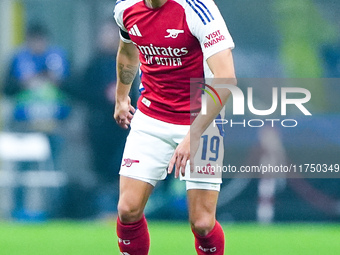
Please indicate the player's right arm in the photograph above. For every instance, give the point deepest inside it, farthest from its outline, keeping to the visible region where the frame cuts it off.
(127, 66)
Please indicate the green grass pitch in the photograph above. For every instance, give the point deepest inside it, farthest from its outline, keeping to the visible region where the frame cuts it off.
(167, 238)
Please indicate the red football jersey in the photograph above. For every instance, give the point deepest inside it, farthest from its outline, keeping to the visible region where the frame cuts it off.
(174, 42)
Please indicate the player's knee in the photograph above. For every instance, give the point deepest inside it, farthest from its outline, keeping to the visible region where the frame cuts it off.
(203, 225)
(129, 213)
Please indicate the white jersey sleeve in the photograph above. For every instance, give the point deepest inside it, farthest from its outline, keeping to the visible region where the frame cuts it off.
(208, 26)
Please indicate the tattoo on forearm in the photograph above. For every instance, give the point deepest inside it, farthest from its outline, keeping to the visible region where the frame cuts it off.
(126, 73)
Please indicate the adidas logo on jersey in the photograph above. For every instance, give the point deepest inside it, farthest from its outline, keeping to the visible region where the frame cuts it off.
(135, 31)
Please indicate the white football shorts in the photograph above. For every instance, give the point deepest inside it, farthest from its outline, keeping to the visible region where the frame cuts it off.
(151, 144)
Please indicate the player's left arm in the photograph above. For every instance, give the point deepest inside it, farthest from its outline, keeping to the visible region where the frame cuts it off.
(222, 66)
(207, 29)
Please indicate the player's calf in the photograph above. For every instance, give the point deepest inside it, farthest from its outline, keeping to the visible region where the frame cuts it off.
(133, 238)
(132, 230)
(212, 243)
(209, 236)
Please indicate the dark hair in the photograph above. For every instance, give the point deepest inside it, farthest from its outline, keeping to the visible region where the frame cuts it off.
(37, 29)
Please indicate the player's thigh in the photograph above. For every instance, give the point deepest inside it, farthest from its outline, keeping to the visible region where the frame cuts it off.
(133, 196)
(148, 149)
(202, 206)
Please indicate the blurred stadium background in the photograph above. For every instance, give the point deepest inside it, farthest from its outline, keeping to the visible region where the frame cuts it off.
(63, 192)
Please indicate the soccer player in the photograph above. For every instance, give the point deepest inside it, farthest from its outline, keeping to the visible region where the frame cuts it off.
(172, 41)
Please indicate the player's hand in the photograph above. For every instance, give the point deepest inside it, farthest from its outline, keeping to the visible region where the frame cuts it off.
(180, 157)
(124, 112)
